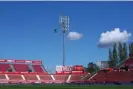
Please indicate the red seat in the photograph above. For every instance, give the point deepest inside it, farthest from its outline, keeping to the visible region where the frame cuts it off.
(61, 77)
(2, 76)
(120, 76)
(15, 77)
(30, 77)
(129, 61)
(4, 67)
(45, 77)
(38, 68)
(21, 67)
(76, 77)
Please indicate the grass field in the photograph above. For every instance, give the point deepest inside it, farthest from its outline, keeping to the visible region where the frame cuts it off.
(66, 87)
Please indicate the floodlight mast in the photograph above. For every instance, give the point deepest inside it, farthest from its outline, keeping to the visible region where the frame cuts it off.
(64, 27)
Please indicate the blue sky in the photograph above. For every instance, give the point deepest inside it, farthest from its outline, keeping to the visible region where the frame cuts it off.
(26, 30)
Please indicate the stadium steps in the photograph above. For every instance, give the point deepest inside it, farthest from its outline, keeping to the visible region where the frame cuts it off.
(86, 76)
(52, 77)
(23, 77)
(92, 76)
(38, 77)
(6, 76)
(13, 69)
(68, 79)
(31, 67)
(44, 68)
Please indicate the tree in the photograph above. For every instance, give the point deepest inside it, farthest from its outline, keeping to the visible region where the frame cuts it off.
(124, 51)
(115, 56)
(131, 48)
(110, 58)
(120, 52)
(92, 68)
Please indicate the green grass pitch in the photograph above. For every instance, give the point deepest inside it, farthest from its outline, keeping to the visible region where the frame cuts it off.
(66, 87)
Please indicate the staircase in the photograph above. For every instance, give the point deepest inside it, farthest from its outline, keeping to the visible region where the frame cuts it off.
(87, 76)
(43, 68)
(30, 66)
(68, 79)
(12, 67)
(52, 77)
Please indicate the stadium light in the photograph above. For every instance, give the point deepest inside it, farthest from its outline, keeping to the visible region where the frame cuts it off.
(64, 27)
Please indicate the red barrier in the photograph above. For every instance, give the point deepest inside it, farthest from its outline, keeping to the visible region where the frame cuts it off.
(19, 61)
(23, 73)
(36, 62)
(3, 60)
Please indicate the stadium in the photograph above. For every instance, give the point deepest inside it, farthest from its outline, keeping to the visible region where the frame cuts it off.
(78, 57)
(23, 72)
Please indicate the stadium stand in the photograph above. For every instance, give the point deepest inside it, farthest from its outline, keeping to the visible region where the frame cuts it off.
(75, 77)
(61, 77)
(37, 68)
(4, 67)
(32, 71)
(21, 67)
(124, 73)
(45, 77)
(15, 77)
(119, 76)
(2, 76)
(30, 76)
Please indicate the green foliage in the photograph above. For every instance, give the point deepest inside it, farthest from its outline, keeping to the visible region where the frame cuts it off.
(118, 56)
(131, 48)
(92, 68)
(120, 52)
(124, 56)
(110, 58)
(115, 55)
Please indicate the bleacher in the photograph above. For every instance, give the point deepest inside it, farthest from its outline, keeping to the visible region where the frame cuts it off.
(21, 67)
(15, 77)
(129, 61)
(37, 68)
(75, 77)
(4, 67)
(113, 76)
(30, 76)
(16, 71)
(123, 74)
(45, 77)
(61, 77)
(21, 73)
(2, 76)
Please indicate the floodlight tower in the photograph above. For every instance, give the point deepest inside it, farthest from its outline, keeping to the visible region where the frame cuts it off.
(64, 27)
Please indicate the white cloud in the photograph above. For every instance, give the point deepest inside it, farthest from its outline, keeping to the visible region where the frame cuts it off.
(74, 35)
(110, 37)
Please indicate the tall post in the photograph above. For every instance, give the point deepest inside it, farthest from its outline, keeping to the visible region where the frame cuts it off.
(64, 26)
(63, 49)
